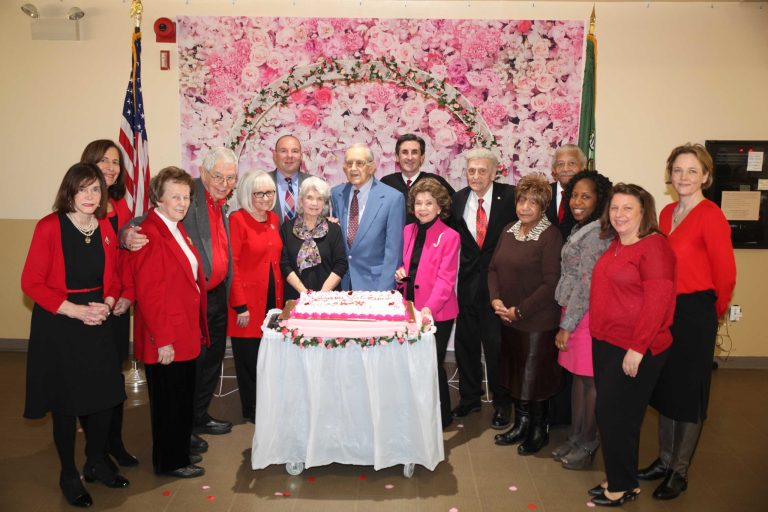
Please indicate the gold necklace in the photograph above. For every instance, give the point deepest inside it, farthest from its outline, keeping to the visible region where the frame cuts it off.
(87, 231)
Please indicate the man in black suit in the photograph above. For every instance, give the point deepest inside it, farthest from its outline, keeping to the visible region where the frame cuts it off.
(568, 160)
(409, 155)
(477, 326)
(287, 177)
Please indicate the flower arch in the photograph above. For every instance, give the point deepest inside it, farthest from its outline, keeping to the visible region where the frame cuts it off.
(383, 69)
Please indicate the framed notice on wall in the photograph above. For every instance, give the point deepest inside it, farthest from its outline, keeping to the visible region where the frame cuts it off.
(741, 189)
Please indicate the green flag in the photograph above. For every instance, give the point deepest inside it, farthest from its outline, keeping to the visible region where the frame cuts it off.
(588, 97)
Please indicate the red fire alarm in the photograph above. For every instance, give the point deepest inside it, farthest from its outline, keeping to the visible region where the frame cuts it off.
(165, 31)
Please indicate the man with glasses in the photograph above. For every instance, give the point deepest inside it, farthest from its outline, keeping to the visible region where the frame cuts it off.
(372, 217)
(207, 225)
(568, 160)
(287, 177)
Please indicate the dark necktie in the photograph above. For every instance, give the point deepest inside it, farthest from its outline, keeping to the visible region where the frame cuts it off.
(354, 219)
(408, 183)
(290, 203)
(481, 223)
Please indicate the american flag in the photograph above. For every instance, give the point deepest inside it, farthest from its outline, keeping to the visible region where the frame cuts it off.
(133, 137)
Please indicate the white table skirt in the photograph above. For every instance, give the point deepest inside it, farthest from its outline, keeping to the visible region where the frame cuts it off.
(375, 406)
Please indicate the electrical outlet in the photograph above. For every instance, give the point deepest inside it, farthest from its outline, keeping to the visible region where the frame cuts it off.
(734, 314)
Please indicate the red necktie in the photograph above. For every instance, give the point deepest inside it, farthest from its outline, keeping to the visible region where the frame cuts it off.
(408, 183)
(290, 204)
(354, 214)
(481, 223)
(561, 209)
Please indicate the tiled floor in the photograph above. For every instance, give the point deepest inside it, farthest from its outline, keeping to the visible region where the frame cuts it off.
(728, 474)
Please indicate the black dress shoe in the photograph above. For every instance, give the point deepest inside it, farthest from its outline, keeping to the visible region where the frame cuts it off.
(195, 458)
(197, 444)
(596, 490)
(100, 472)
(213, 426)
(671, 487)
(75, 493)
(124, 458)
(500, 419)
(656, 470)
(605, 501)
(462, 410)
(190, 471)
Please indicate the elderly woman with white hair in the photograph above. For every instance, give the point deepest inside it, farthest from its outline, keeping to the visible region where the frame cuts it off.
(257, 283)
(313, 248)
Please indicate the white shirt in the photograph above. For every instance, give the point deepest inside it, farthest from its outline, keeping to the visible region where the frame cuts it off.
(470, 209)
(558, 196)
(412, 180)
(173, 227)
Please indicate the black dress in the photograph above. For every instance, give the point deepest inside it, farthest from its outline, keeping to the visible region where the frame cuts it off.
(333, 258)
(121, 325)
(73, 368)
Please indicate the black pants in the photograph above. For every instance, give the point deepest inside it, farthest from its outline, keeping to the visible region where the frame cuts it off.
(246, 354)
(478, 331)
(96, 426)
(210, 358)
(621, 404)
(442, 336)
(170, 407)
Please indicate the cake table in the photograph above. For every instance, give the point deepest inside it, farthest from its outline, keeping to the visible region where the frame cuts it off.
(377, 405)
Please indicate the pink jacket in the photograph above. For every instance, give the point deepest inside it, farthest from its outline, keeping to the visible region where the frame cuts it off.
(435, 284)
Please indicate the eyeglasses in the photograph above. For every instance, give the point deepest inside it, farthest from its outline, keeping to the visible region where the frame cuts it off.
(351, 164)
(561, 164)
(219, 179)
(261, 195)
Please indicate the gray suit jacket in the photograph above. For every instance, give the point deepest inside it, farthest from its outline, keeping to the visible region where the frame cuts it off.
(278, 209)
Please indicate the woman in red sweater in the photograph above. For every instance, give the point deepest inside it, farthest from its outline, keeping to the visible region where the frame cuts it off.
(701, 239)
(632, 301)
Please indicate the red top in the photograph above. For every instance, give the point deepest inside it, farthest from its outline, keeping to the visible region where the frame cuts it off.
(44, 277)
(702, 244)
(256, 247)
(219, 247)
(632, 298)
(170, 301)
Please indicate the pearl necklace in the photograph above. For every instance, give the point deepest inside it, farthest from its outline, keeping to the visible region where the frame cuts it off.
(88, 230)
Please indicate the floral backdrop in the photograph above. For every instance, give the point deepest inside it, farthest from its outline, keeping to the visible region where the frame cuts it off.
(519, 84)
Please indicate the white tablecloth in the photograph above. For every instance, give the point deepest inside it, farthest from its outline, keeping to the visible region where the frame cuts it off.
(375, 406)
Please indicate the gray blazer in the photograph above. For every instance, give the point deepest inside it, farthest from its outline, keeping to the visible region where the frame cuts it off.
(278, 209)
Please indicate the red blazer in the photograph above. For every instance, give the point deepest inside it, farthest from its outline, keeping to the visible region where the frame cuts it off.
(170, 301)
(256, 247)
(435, 285)
(123, 216)
(44, 279)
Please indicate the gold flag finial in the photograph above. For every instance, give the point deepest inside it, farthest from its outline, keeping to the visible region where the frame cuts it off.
(136, 12)
(592, 20)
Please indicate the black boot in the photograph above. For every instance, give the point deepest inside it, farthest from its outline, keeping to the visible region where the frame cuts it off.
(538, 433)
(519, 429)
(74, 492)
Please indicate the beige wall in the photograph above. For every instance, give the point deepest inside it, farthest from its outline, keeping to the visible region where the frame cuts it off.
(667, 73)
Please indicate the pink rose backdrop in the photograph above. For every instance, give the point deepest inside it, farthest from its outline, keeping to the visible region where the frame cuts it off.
(521, 81)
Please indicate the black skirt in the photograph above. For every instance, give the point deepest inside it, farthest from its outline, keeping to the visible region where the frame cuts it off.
(682, 392)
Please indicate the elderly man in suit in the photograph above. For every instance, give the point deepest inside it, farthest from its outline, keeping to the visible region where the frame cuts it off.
(409, 155)
(287, 176)
(568, 160)
(207, 225)
(372, 217)
(480, 212)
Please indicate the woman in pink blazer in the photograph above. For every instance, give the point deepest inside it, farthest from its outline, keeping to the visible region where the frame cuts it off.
(430, 265)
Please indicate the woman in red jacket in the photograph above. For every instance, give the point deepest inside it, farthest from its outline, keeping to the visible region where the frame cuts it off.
(170, 324)
(257, 284)
(706, 274)
(631, 303)
(109, 159)
(72, 366)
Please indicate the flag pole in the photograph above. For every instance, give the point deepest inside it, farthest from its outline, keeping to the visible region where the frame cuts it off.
(589, 95)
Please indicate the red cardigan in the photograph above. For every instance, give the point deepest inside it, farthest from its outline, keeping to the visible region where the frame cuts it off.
(632, 298)
(256, 247)
(44, 278)
(171, 303)
(702, 244)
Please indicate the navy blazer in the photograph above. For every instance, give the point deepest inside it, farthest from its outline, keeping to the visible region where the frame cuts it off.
(378, 246)
(278, 209)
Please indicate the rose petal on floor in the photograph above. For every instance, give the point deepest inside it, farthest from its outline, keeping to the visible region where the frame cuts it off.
(166, 493)
(211, 498)
(311, 479)
(590, 504)
(278, 494)
(362, 477)
(389, 486)
(454, 509)
(206, 487)
(532, 506)
(513, 488)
